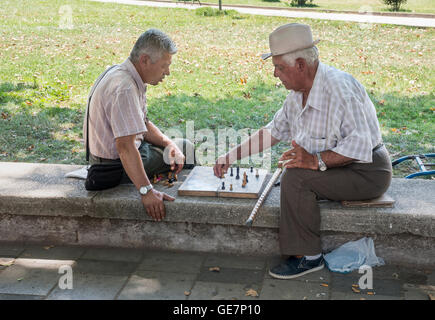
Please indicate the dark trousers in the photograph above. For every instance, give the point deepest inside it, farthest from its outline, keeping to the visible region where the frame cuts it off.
(154, 159)
(299, 227)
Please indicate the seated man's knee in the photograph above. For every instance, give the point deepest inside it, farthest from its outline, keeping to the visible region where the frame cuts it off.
(292, 177)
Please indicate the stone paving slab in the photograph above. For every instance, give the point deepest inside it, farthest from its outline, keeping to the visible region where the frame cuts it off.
(114, 254)
(50, 252)
(235, 261)
(90, 287)
(153, 285)
(177, 262)
(232, 275)
(276, 289)
(31, 276)
(103, 267)
(204, 290)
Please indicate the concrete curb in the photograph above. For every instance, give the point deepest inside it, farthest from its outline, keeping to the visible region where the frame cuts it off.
(38, 203)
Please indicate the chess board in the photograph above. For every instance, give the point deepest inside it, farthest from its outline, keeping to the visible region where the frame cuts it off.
(202, 182)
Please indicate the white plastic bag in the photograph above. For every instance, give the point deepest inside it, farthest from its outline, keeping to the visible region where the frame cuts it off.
(352, 255)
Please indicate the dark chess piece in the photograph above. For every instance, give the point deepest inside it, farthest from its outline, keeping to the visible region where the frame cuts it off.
(223, 185)
(237, 175)
(231, 174)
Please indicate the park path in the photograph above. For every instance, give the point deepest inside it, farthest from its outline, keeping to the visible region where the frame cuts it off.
(361, 18)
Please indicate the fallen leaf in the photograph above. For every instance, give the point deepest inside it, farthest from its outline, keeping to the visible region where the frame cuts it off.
(324, 285)
(187, 293)
(48, 247)
(6, 264)
(370, 293)
(214, 269)
(355, 290)
(355, 285)
(19, 279)
(251, 293)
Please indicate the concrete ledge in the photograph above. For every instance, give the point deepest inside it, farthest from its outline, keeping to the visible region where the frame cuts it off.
(39, 204)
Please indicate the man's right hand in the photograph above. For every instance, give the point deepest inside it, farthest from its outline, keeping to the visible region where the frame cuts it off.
(153, 203)
(221, 166)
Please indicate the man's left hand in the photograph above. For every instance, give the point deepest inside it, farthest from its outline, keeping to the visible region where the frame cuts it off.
(299, 158)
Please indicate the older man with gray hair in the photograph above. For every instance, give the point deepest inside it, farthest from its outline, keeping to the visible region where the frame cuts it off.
(337, 151)
(118, 126)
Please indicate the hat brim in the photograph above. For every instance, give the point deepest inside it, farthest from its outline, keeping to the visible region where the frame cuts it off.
(265, 56)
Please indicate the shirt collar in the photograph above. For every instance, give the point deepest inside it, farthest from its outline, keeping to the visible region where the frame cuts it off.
(132, 70)
(316, 92)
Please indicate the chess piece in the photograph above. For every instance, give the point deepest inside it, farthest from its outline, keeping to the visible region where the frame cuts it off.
(245, 180)
(252, 169)
(155, 179)
(175, 177)
(231, 169)
(169, 175)
(256, 173)
(223, 185)
(237, 173)
(231, 187)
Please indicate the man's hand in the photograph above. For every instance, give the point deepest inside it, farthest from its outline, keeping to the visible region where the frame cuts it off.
(176, 158)
(299, 158)
(221, 166)
(153, 203)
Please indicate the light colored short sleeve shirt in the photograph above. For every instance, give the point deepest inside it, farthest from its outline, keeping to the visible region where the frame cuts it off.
(338, 116)
(117, 109)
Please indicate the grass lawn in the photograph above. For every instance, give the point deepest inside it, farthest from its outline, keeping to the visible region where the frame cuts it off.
(415, 6)
(217, 78)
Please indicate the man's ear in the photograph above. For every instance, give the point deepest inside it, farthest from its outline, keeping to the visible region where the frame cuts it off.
(145, 59)
(300, 64)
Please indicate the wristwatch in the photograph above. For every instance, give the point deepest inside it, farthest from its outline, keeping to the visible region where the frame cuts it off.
(145, 189)
(322, 165)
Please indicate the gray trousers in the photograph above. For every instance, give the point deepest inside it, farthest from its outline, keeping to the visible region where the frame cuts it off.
(299, 226)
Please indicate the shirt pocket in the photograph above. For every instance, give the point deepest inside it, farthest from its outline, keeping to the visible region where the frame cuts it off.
(317, 144)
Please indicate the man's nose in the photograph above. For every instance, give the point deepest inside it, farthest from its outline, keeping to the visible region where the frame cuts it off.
(275, 74)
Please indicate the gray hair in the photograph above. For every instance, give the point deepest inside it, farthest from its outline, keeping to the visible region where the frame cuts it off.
(310, 55)
(154, 43)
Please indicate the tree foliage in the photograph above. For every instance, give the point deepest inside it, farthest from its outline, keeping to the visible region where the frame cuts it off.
(394, 4)
(300, 3)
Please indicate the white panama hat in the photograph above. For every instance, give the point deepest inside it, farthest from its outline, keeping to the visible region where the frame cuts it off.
(289, 38)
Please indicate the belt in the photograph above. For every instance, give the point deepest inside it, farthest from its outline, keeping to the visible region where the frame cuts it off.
(103, 160)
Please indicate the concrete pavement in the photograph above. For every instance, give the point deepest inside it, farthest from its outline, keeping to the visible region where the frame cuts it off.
(360, 18)
(34, 272)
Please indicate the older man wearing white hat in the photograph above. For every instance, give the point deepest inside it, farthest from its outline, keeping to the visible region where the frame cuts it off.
(337, 151)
